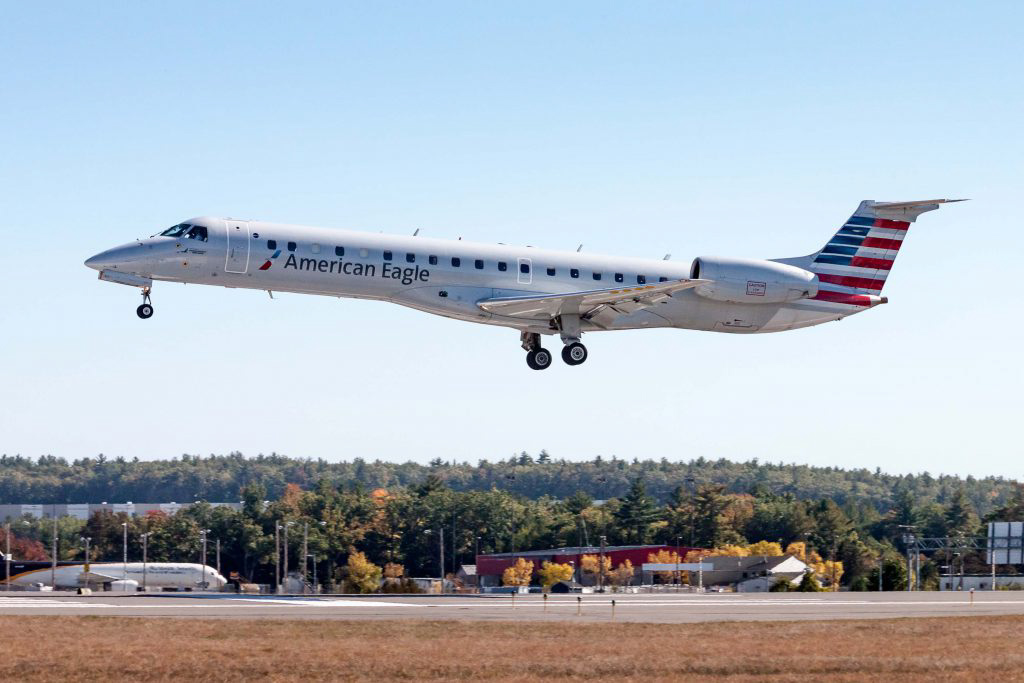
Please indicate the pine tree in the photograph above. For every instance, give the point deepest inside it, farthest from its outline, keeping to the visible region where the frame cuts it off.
(636, 513)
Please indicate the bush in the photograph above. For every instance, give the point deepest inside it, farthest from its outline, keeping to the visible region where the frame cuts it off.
(781, 586)
(809, 584)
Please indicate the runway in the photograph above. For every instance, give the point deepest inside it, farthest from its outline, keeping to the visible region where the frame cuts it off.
(650, 608)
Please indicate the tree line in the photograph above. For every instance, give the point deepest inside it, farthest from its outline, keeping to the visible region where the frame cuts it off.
(398, 527)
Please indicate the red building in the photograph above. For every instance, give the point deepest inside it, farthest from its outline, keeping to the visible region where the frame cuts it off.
(490, 567)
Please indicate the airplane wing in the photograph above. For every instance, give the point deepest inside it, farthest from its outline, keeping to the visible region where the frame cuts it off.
(623, 300)
(96, 577)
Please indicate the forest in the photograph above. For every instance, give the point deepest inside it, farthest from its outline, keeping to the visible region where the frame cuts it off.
(389, 515)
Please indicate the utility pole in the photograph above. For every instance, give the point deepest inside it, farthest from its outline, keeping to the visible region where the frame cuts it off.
(53, 553)
(284, 575)
(440, 553)
(85, 539)
(202, 536)
(277, 557)
(678, 576)
(145, 541)
(124, 552)
(7, 555)
(454, 561)
(600, 566)
(305, 555)
(218, 556)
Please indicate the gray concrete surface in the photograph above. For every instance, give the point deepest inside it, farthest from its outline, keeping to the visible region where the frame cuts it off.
(657, 608)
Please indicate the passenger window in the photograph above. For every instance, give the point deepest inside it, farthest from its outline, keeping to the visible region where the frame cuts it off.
(387, 255)
(291, 246)
(524, 268)
(618, 277)
(502, 266)
(551, 272)
(641, 279)
(575, 272)
(315, 248)
(456, 262)
(339, 251)
(597, 276)
(478, 264)
(410, 258)
(432, 260)
(271, 244)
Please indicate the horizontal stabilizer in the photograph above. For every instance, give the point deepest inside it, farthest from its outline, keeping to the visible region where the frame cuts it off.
(623, 299)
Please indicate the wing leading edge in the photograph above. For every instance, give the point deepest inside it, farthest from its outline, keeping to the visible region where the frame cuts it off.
(624, 300)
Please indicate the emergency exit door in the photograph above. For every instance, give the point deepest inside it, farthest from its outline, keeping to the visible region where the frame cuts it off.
(238, 247)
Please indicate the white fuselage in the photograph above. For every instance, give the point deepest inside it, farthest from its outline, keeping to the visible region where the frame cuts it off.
(444, 277)
(179, 575)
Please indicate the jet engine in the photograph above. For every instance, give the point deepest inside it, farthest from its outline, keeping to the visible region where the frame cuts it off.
(751, 281)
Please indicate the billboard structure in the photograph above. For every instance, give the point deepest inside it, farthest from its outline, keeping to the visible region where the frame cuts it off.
(1005, 543)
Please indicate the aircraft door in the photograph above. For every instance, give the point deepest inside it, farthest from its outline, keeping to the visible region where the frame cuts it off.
(237, 260)
(525, 271)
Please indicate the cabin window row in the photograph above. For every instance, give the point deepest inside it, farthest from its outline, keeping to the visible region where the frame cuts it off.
(478, 264)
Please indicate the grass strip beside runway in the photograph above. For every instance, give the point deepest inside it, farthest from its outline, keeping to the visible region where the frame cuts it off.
(140, 649)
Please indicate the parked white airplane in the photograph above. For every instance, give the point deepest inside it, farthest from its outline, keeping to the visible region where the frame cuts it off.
(178, 575)
(534, 291)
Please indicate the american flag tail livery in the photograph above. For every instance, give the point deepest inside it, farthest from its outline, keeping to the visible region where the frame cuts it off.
(853, 266)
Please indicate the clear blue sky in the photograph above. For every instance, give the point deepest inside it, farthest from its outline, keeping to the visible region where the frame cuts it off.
(746, 129)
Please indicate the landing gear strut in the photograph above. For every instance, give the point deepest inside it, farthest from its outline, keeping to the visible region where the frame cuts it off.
(146, 309)
(574, 352)
(537, 357)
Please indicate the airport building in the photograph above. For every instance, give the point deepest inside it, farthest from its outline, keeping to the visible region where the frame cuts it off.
(84, 510)
(489, 568)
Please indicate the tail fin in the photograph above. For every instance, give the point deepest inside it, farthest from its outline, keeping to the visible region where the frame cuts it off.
(858, 258)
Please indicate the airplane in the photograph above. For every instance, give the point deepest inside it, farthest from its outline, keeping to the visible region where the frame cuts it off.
(534, 291)
(179, 575)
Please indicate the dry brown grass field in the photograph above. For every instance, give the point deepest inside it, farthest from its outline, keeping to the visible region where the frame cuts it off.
(138, 649)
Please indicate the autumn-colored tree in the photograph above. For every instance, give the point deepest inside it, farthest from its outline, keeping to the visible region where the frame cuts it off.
(589, 565)
(623, 574)
(393, 570)
(518, 574)
(552, 572)
(765, 548)
(361, 575)
(831, 571)
(809, 557)
(664, 556)
(729, 550)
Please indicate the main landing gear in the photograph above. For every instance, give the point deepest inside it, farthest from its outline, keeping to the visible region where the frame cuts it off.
(539, 358)
(145, 311)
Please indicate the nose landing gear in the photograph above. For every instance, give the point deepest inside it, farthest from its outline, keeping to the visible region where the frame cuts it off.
(145, 311)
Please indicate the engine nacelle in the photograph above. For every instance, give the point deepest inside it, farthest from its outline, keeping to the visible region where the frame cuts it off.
(750, 281)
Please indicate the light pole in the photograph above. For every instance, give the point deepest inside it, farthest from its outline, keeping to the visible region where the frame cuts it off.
(285, 544)
(277, 557)
(7, 554)
(124, 552)
(305, 555)
(218, 556)
(53, 552)
(691, 484)
(86, 540)
(678, 577)
(202, 537)
(145, 540)
(316, 587)
(600, 566)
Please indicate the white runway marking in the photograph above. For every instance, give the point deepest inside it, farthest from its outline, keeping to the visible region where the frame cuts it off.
(325, 603)
(44, 602)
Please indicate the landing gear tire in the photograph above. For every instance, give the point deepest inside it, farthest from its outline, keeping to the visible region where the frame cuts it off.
(574, 354)
(539, 359)
(144, 311)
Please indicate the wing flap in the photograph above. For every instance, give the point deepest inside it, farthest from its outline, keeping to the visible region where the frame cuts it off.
(623, 299)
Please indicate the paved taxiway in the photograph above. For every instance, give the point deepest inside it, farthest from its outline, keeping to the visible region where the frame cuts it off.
(653, 608)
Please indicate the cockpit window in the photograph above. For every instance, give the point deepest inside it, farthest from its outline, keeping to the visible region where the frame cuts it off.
(198, 232)
(176, 230)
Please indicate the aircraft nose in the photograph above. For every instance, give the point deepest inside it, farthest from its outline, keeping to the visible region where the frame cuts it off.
(96, 262)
